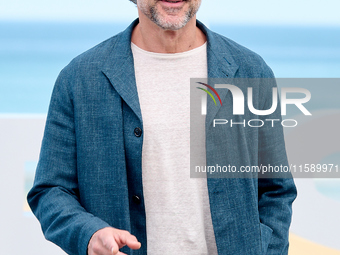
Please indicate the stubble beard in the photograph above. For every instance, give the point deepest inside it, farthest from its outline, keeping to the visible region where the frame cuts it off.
(154, 15)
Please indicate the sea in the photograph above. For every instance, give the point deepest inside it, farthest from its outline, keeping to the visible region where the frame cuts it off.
(33, 53)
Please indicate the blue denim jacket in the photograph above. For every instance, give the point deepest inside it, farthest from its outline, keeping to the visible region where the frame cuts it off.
(89, 172)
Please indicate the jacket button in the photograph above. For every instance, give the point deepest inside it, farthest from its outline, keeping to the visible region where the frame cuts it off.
(138, 132)
(136, 199)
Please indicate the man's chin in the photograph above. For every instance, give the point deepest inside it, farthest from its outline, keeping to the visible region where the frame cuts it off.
(171, 24)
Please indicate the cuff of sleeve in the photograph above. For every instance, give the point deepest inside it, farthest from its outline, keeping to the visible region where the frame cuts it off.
(87, 232)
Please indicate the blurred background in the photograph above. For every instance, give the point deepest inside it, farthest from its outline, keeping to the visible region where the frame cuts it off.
(298, 39)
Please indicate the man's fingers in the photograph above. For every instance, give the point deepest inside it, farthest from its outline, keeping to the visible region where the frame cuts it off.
(135, 245)
(110, 244)
(108, 241)
(132, 242)
(114, 248)
(125, 238)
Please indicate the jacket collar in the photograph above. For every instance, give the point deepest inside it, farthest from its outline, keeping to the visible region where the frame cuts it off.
(119, 67)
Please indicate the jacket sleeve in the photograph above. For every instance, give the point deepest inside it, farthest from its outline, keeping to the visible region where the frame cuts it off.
(54, 198)
(277, 193)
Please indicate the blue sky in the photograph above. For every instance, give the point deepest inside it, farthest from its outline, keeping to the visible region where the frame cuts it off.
(303, 12)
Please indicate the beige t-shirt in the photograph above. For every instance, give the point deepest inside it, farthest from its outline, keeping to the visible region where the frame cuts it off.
(178, 219)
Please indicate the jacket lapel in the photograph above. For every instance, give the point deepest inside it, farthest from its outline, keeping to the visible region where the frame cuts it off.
(119, 69)
(220, 65)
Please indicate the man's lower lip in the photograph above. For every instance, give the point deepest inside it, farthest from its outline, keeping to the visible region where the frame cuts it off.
(172, 3)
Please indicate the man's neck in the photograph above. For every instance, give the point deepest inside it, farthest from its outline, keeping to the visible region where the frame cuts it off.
(148, 36)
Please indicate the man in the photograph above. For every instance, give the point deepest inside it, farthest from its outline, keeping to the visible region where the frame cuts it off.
(120, 99)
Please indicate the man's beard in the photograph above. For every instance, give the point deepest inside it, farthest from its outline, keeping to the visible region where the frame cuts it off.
(154, 15)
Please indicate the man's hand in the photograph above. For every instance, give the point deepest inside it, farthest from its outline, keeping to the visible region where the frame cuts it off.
(108, 241)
